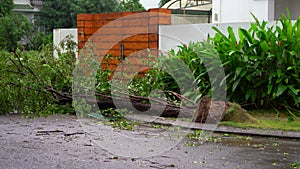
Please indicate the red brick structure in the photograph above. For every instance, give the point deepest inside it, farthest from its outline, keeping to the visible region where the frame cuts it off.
(123, 33)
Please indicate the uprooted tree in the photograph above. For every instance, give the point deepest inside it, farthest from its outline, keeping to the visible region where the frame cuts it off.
(38, 83)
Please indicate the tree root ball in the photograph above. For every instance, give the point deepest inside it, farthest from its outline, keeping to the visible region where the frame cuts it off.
(209, 112)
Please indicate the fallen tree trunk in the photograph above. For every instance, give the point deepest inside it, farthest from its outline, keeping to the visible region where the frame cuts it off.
(207, 111)
(154, 109)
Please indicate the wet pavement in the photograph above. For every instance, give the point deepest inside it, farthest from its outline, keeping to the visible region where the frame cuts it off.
(59, 141)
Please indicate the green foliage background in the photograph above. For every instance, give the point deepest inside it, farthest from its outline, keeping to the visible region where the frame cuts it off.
(130, 5)
(6, 7)
(13, 28)
(62, 14)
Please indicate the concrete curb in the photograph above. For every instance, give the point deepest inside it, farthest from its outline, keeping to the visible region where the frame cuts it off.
(216, 128)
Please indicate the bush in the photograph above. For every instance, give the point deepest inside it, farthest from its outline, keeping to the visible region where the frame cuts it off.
(13, 28)
(35, 82)
(39, 40)
(263, 66)
(203, 61)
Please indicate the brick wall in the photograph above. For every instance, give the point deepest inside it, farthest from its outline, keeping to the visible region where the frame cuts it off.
(123, 33)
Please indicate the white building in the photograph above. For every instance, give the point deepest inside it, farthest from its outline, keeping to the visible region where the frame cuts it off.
(225, 11)
(29, 8)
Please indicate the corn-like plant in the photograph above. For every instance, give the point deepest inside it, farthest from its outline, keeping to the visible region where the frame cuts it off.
(263, 64)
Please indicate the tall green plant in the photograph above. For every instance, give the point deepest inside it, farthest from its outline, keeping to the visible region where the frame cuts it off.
(262, 64)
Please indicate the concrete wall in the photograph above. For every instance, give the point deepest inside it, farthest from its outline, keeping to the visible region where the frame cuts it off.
(60, 34)
(173, 35)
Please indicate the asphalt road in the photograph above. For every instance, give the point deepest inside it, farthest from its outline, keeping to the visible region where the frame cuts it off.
(59, 141)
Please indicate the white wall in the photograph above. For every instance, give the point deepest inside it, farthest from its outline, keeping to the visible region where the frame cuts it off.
(60, 34)
(228, 11)
(170, 36)
(225, 11)
(264, 9)
(22, 1)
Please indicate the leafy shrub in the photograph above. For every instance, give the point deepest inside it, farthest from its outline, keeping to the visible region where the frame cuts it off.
(140, 85)
(35, 82)
(170, 71)
(13, 28)
(39, 40)
(263, 65)
(203, 61)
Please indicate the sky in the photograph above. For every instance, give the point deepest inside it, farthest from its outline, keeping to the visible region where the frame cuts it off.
(150, 3)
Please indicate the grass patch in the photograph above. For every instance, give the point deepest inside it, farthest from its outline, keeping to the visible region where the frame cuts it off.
(268, 119)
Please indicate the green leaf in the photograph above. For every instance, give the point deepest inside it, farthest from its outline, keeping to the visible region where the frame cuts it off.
(255, 18)
(270, 87)
(280, 90)
(234, 52)
(292, 53)
(254, 58)
(96, 115)
(279, 73)
(241, 35)
(247, 35)
(235, 84)
(256, 65)
(219, 32)
(291, 87)
(258, 83)
(244, 72)
(264, 45)
(224, 79)
(238, 71)
(231, 35)
(249, 93)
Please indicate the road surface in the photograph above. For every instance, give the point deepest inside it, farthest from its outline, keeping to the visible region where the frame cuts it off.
(58, 141)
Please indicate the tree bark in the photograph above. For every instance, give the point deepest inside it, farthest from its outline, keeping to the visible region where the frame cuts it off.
(154, 109)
